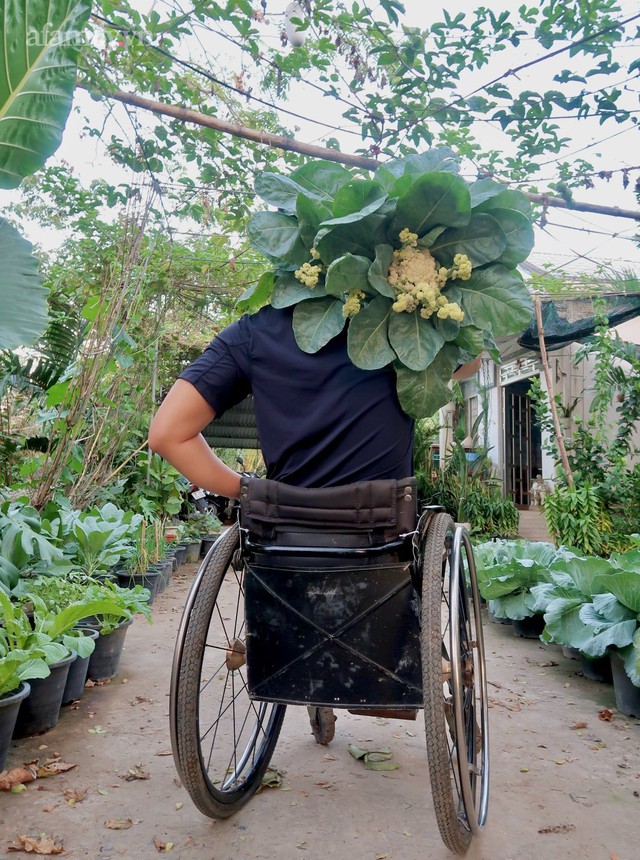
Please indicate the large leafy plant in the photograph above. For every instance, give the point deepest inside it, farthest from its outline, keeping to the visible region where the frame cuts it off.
(420, 263)
(38, 67)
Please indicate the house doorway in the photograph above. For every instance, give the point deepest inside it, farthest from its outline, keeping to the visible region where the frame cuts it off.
(523, 445)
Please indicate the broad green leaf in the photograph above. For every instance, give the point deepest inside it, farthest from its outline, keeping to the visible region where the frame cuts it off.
(414, 339)
(321, 178)
(276, 236)
(356, 195)
(470, 338)
(610, 608)
(513, 606)
(359, 238)
(379, 271)
(507, 199)
(448, 329)
(257, 295)
(278, 190)
(484, 189)
(311, 213)
(289, 291)
(482, 240)
(23, 299)
(519, 235)
(347, 273)
(625, 585)
(423, 392)
(368, 341)
(433, 200)
(359, 215)
(604, 633)
(317, 322)
(631, 659)
(496, 299)
(563, 622)
(429, 238)
(589, 574)
(491, 347)
(38, 67)
(438, 159)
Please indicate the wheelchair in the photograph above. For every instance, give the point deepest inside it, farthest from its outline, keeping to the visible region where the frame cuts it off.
(327, 614)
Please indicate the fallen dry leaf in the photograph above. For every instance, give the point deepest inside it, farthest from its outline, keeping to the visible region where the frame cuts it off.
(118, 823)
(32, 845)
(164, 752)
(579, 725)
(139, 700)
(557, 828)
(162, 846)
(17, 776)
(75, 795)
(135, 772)
(53, 766)
(606, 715)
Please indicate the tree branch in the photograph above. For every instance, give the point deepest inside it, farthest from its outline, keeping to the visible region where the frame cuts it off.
(291, 145)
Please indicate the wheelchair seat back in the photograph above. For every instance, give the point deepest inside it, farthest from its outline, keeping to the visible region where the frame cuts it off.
(332, 611)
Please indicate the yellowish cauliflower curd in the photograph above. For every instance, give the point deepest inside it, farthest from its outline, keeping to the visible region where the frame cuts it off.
(418, 281)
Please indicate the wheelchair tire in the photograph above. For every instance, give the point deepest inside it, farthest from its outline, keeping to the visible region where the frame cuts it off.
(222, 740)
(455, 702)
(323, 724)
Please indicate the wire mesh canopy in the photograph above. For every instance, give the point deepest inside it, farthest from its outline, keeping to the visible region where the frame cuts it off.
(570, 319)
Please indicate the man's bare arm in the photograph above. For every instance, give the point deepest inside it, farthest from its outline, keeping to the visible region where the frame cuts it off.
(176, 434)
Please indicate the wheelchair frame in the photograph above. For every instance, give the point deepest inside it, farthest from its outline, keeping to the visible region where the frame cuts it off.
(211, 655)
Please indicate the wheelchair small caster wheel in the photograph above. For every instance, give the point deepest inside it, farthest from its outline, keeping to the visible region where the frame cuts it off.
(323, 724)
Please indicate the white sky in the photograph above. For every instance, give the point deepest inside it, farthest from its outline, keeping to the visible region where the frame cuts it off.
(610, 146)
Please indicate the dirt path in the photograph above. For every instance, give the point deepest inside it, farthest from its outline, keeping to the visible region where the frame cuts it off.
(557, 792)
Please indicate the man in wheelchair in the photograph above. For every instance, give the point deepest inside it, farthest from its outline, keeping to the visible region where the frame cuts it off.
(330, 572)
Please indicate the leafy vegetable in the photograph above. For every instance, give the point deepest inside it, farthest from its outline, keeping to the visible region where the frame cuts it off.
(408, 260)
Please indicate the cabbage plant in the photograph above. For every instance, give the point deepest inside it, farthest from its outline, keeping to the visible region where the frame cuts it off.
(418, 263)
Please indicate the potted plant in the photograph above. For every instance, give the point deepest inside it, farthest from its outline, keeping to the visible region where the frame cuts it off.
(594, 607)
(507, 572)
(112, 628)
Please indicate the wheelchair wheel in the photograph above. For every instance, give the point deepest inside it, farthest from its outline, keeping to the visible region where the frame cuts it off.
(454, 681)
(323, 724)
(222, 740)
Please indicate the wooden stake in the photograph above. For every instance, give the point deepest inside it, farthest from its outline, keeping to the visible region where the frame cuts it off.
(552, 401)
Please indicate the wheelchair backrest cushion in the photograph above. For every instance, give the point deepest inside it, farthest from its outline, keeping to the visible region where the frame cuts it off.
(385, 509)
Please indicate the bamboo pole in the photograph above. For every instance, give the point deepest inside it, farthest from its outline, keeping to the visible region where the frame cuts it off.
(352, 160)
(550, 391)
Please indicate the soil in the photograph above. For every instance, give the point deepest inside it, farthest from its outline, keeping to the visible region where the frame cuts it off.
(565, 782)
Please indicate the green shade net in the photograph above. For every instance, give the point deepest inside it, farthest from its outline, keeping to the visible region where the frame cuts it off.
(567, 320)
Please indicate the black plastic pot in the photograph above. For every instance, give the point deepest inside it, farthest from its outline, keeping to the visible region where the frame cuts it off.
(165, 566)
(9, 707)
(528, 628)
(206, 544)
(149, 579)
(193, 551)
(78, 673)
(105, 660)
(39, 712)
(627, 694)
(596, 670)
(181, 553)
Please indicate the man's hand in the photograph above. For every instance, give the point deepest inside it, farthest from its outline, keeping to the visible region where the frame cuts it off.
(176, 434)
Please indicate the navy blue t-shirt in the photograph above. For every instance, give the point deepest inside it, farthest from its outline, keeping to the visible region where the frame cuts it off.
(321, 420)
